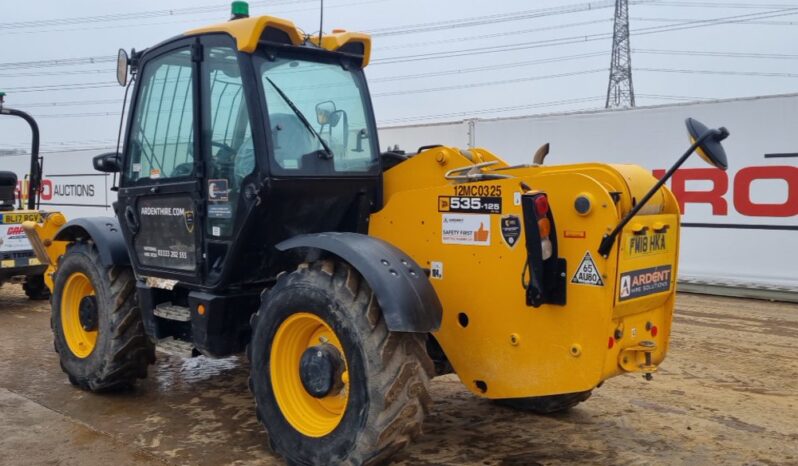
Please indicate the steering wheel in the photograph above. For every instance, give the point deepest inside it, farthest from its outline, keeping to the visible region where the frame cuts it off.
(224, 148)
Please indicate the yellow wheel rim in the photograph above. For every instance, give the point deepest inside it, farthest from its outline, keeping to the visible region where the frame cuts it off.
(80, 341)
(314, 417)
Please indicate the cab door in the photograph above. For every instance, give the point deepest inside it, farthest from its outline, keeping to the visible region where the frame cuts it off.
(159, 197)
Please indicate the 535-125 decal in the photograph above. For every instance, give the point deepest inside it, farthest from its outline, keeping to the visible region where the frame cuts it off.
(468, 204)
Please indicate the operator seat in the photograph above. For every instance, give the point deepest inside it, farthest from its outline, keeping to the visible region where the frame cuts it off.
(8, 186)
(291, 141)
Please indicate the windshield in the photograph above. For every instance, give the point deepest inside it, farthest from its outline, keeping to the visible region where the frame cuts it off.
(317, 115)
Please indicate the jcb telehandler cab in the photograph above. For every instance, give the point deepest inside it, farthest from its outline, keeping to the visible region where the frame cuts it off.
(19, 202)
(256, 213)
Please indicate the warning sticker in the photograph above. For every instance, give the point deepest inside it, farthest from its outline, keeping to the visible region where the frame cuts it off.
(587, 273)
(218, 190)
(471, 229)
(644, 282)
(436, 270)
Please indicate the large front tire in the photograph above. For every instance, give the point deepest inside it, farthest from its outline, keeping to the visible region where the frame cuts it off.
(99, 335)
(379, 393)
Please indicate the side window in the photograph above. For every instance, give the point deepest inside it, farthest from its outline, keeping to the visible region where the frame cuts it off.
(162, 133)
(229, 147)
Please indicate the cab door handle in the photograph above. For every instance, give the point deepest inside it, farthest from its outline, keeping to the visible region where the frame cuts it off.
(131, 221)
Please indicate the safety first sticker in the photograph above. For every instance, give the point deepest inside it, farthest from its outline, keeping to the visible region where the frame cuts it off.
(637, 283)
(587, 273)
(473, 229)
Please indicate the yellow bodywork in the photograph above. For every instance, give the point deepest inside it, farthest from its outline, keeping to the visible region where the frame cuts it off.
(247, 32)
(509, 349)
(41, 235)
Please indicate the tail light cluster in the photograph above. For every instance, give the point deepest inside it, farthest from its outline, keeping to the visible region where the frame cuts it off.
(546, 281)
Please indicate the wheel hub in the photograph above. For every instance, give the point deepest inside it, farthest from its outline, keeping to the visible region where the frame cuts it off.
(87, 312)
(320, 370)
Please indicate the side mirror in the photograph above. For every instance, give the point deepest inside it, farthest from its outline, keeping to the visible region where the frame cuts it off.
(122, 63)
(326, 113)
(703, 140)
(109, 162)
(709, 148)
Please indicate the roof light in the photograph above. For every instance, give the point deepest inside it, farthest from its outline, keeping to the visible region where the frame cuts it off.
(239, 10)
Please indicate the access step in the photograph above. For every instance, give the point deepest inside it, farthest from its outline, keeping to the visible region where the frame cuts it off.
(173, 312)
(173, 347)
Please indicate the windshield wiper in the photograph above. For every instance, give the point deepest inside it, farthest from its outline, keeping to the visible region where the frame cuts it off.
(327, 150)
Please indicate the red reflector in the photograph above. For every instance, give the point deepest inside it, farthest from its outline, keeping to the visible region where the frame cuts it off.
(611, 343)
(541, 206)
(654, 331)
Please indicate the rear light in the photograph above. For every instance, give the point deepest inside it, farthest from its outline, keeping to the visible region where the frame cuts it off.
(546, 248)
(544, 227)
(654, 331)
(546, 271)
(611, 343)
(541, 206)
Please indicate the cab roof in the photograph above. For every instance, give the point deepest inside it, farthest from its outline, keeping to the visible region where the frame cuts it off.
(247, 32)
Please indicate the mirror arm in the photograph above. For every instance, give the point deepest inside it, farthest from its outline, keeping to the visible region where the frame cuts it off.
(609, 239)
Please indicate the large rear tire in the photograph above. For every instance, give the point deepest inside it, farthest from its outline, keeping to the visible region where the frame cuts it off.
(371, 406)
(546, 404)
(35, 289)
(99, 335)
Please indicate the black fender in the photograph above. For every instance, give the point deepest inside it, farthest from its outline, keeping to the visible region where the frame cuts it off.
(104, 232)
(405, 295)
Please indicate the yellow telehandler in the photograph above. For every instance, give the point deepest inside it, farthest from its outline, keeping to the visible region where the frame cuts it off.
(256, 214)
(19, 202)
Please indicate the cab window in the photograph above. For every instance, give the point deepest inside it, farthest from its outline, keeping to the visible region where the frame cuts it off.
(317, 110)
(162, 131)
(228, 146)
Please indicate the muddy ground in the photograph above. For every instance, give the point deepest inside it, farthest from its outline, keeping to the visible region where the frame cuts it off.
(727, 394)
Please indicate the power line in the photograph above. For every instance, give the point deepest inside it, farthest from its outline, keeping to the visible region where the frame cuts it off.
(486, 83)
(576, 39)
(673, 97)
(67, 103)
(691, 4)
(450, 54)
(488, 67)
(553, 103)
(774, 56)
(722, 72)
(679, 20)
(60, 62)
(36, 74)
(490, 19)
(38, 23)
(180, 21)
(494, 35)
(78, 115)
(429, 90)
(61, 87)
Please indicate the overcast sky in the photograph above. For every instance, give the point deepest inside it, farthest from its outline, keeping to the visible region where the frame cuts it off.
(757, 54)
